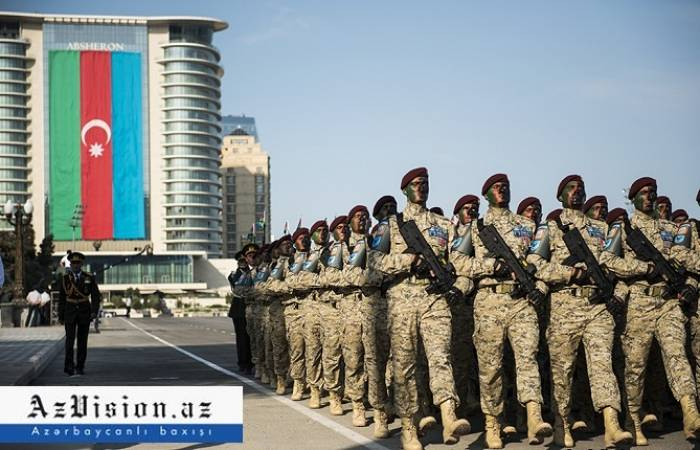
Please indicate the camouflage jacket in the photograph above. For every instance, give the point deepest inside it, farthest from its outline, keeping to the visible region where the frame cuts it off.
(686, 248)
(359, 271)
(304, 272)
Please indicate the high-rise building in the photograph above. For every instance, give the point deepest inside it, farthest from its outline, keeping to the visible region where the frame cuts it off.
(246, 171)
(230, 123)
(111, 125)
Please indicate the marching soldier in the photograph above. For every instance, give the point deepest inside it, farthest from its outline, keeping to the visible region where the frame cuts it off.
(663, 208)
(78, 302)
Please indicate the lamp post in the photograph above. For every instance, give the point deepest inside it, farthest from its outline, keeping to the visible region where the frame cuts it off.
(19, 216)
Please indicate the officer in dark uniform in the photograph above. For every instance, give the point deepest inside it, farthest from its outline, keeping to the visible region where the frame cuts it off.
(78, 303)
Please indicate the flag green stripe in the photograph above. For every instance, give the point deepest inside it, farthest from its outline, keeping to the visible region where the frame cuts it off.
(64, 139)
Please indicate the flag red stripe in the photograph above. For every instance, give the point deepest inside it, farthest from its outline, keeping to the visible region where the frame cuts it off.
(96, 168)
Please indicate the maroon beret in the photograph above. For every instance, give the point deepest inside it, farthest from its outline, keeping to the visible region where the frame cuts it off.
(286, 237)
(615, 214)
(593, 200)
(527, 202)
(499, 177)
(553, 215)
(469, 198)
(639, 184)
(300, 232)
(381, 202)
(337, 221)
(355, 209)
(318, 224)
(437, 210)
(275, 244)
(663, 199)
(679, 213)
(566, 180)
(415, 173)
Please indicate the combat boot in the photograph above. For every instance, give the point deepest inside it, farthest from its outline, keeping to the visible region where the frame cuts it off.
(634, 424)
(281, 385)
(452, 427)
(381, 426)
(493, 432)
(264, 379)
(537, 429)
(273, 380)
(409, 435)
(562, 433)
(258, 372)
(298, 390)
(614, 435)
(652, 422)
(358, 414)
(336, 405)
(425, 423)
(315, 398)
(691, 420)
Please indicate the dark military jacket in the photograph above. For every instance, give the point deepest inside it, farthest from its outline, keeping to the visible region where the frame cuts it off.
(79, 297)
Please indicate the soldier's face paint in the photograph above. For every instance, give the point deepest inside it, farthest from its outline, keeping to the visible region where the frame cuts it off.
(599, 211)
(285, 248)
(302, 243)
(534, 213)
(359, 222)
(320, 236)
(574, 195)
(417, 190)
(645, 199)
(340, 232)
(663, 211)
(469, 212)
(499, 194)
(387, 209)
(680, 220)
(275, 253)
(250, 258)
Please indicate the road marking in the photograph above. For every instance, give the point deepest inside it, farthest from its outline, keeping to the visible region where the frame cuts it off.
(321, 419)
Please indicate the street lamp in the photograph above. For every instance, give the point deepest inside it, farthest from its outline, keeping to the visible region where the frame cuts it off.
(19, 216)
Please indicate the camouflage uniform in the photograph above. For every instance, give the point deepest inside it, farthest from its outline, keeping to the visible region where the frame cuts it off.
(649, 316)
(414, 313)
(573, 318)
(306, 283)
(278, 294)
(294, 321)
(262, 318)
(498, 316)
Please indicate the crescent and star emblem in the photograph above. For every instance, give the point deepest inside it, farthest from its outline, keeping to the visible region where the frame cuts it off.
(96, 149)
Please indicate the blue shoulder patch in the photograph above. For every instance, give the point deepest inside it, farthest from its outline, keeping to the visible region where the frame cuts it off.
(456, 242)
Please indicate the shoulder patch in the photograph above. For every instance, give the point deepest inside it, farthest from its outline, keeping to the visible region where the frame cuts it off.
(439, 234)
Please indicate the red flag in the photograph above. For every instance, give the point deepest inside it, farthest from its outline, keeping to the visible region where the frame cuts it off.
(96, 144)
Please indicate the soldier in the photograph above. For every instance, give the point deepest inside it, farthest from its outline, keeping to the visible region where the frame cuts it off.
(650, 315)
(329, 308)
(261, 315)
(463, 353)
(663, 208)
(596, 208)
(78, 301)
(294, 314)
(416, 314)
(306, 284)
(679, 216)
(499, 316)
(531, 208)
(577, 315)
(246, 292)
(237, 313)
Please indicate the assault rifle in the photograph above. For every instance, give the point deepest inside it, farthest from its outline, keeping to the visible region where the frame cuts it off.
(579, 252)
(442, 277)
(524, 272)
(673, 275)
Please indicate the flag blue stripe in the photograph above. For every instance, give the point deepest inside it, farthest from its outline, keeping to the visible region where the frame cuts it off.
(127, 147)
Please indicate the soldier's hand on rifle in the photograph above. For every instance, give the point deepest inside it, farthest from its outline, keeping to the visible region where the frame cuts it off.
(653, 272)
(501, 270)
(688, 295)
(420, 267)
(536, 297)
(580, 276)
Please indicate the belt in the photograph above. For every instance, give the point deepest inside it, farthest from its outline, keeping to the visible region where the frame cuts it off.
(583, 292)
(77, 300)
(500, 288)
(651, 291)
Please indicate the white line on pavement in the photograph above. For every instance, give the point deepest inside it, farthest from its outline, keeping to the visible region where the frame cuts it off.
(323, 420)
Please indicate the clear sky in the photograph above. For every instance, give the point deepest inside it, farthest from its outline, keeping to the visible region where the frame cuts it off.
(348, 96)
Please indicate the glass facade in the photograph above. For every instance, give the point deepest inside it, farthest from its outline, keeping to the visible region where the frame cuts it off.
(191, 127)
(230, 123)
(141, 270)
(14, 108)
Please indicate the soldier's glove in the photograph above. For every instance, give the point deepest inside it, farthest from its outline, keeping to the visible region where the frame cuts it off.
(688, 295)
(501, 270)
(421, 268)
(536, 297)
(615, 305)
(653, 273)
(580, 276)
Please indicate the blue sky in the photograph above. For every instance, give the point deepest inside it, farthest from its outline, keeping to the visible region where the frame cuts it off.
(349, 96)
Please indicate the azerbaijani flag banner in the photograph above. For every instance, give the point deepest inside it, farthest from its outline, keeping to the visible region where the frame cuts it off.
(96, 149)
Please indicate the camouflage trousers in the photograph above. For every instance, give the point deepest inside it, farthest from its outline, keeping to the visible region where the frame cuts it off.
(414, 315)
(694, 336)
(294, 323)
(498, 317)
(276, 352)
(375, 339)
(353, 350)
(331, 339)
(250, 323)
(463, 354)
(263, 336)
(649, 317)
(574, 320)
(312, 340)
